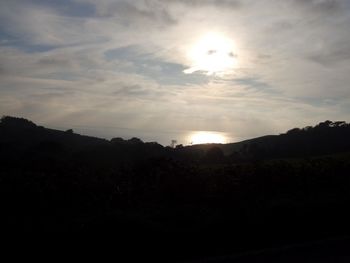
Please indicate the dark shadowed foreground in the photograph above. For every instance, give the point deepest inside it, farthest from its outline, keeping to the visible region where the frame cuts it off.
(278, 198)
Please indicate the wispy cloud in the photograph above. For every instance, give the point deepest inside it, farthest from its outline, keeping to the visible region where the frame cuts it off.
(120, 64)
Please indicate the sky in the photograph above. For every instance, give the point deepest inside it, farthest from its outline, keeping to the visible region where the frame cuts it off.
(162, 70)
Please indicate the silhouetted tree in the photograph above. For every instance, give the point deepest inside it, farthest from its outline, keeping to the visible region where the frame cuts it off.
(135, 140)
(8, 121)
(117, 140)
(173, 143)
(294, 131)
(179, 146)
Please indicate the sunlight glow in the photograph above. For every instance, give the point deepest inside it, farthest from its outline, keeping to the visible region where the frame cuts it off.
(202, 137)
(212, 54)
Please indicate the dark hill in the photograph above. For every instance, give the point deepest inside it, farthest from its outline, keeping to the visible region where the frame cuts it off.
(24, 133)
(22, 139)
(186, 203)
(325, 138)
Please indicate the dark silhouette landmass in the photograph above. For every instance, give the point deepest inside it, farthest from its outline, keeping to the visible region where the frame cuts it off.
(258, 194)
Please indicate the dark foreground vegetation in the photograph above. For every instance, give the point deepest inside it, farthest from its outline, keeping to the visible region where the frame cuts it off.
(186, 202)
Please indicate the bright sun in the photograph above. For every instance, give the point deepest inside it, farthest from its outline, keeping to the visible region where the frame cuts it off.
(212, 54)
(202, 137)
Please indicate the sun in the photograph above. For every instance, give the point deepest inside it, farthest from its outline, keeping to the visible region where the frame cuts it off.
(202, 137)
(212, 54)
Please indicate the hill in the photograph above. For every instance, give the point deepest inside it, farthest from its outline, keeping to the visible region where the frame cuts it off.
(325, 138)
(261, 193)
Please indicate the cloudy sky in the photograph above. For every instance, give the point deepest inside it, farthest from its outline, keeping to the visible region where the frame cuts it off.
(161, 70)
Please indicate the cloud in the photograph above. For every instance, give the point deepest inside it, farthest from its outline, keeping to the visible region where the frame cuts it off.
(331, 51)
(119, 64)
(131, 13)
(153, 13)
(199, 3)
(323, 6)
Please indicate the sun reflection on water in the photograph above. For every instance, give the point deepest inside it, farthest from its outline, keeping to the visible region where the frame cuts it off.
(202, 137)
